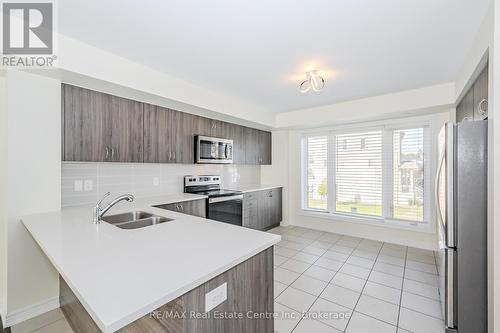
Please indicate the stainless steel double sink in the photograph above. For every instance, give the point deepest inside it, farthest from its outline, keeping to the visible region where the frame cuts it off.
(134, 220)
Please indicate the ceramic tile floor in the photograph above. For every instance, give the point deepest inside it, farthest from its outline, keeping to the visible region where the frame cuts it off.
(327, 283)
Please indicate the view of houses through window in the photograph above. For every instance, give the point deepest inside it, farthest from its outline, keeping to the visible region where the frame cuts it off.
(361, 185)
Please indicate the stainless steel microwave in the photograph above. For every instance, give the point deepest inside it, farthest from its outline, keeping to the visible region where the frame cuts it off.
(213, 150)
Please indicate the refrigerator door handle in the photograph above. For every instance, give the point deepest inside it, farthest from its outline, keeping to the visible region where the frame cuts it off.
(450, 186)
(450, 287)
(436, 191)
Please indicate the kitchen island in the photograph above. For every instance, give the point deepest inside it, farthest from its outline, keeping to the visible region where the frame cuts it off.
(123, 280)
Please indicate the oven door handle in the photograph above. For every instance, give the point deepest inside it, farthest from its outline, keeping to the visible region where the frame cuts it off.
(222, 199)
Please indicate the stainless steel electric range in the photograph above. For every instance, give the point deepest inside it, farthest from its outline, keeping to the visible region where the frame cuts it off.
(222, 205)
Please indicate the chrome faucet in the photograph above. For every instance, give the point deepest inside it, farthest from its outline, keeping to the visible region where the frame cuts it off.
(99, 212)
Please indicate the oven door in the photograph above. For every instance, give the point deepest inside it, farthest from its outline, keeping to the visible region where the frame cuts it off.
(226, 209)
(213, 150)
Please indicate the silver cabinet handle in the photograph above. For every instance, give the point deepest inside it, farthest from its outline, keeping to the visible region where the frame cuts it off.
(483, 111)
(169, 155)
(107, 152)
(182, 208)
(173, 155)
(112, 153)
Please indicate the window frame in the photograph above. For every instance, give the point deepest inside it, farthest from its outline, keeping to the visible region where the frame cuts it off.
(387, 218)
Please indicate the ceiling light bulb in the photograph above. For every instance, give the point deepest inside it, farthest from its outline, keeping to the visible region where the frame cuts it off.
(312, 82)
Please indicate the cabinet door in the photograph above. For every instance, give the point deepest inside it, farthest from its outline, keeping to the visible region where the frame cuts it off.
(251, 146)
(467, 114)
(126, 130)
(183, 130)
(207, 126)
(277, 206)
(264, 209)
(481, 96)
(172, 206)
(86, 125)
(238, 137)
(194, 207)
(157, 133)
(264, 148)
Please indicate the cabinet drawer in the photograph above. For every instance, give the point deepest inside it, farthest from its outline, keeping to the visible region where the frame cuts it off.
(252, 211)
(249, 203)
(250, 196)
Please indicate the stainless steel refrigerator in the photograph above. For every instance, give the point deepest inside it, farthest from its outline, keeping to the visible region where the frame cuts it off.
(461, 202)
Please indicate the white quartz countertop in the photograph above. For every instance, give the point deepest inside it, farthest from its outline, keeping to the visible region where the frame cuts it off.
(121, 275)
(253, 188)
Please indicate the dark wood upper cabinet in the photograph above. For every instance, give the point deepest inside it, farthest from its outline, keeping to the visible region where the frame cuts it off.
(251, 146)
(182, 139)
(237, 134)
(265, 144)
(86, 125)
(474, 105)
(481, 96)
(157, 134)
(126, 130)
(99, 127)
(168, 135)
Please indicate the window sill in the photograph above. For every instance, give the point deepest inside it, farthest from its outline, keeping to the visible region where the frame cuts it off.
(423, 227)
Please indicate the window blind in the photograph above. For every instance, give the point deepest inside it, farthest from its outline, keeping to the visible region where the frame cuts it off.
(408, 174)
(317, 172)
(358, 173)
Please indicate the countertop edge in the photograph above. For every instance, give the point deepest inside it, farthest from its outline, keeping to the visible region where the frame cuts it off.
(257, 188)
(114, 326)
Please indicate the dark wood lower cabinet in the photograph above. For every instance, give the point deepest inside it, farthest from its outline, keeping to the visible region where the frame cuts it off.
(249, 291)
(262, 210)
(193, 207)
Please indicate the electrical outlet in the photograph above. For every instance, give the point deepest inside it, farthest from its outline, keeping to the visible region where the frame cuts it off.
(156, 181)
(88, 185)
(78, 186)
(215, 297)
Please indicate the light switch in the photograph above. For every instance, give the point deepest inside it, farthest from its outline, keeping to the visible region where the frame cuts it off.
(88, 185)
(215, 297)
(78, 186)
(156, 181)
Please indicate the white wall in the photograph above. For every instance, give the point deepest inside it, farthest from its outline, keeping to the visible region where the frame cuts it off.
(33, 185)
(286, 171)
(405, 103)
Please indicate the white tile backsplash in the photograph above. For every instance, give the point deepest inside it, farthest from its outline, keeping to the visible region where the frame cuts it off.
(144, 180)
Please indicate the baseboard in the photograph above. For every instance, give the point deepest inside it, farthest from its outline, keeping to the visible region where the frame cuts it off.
(31, 311)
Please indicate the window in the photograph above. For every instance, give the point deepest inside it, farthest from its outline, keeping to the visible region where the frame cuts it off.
(377, 174)
(408, 174)
(358, 173)
(317, 159)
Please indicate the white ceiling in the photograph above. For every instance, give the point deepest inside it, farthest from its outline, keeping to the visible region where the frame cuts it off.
(257, 50)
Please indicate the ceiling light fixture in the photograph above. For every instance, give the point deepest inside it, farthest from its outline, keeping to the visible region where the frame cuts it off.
(313, 81)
